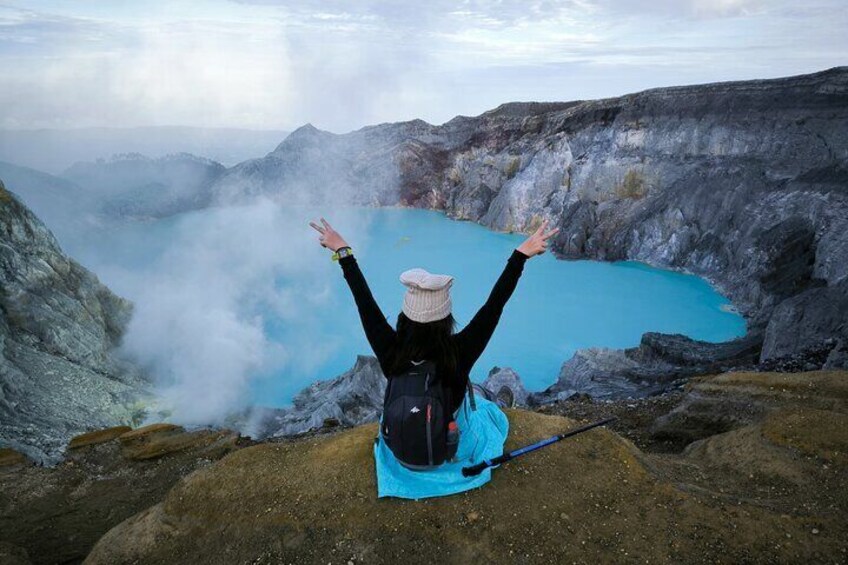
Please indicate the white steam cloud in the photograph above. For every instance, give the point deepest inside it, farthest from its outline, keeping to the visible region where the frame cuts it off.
(201, 308)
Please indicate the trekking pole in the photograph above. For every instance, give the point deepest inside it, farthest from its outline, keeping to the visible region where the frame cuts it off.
(480, 467)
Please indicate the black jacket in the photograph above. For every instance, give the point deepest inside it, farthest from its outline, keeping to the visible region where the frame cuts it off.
(470, 342)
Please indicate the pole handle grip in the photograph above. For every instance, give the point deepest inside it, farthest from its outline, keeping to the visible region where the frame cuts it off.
(474, 470)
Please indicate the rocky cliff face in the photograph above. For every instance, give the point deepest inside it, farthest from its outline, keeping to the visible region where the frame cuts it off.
(745, 184)
(58, 325)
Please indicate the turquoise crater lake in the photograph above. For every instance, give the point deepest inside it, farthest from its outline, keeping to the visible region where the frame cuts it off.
(558, 306)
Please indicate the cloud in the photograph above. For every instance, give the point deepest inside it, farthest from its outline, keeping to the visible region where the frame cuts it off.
(187, 72)
(342, 65)
(698, 9)
(436, 14)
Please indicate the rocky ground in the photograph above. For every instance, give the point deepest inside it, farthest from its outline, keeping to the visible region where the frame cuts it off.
(633, 417)
(56, 514)
(756, 472)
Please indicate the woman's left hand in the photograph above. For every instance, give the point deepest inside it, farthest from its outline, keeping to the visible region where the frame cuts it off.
(330, 238)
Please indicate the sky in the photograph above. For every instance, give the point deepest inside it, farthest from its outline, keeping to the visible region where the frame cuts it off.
(342, 65)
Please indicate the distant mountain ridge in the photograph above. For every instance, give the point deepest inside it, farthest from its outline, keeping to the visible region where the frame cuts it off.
(134, 185)
(135, 156)
(54, 150)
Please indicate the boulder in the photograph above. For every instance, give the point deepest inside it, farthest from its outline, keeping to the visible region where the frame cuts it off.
(499, 377)
(838, 356)
(807, 320)
(97, 437)
(10, 458)
(156, 440)
(659, 363)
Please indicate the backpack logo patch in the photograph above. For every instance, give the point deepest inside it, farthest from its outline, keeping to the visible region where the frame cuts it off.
(415, 410)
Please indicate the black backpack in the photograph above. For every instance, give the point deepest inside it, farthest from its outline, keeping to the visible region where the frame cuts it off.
(416, 424)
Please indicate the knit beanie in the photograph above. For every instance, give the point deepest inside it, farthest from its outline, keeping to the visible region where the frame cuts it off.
(427, 297)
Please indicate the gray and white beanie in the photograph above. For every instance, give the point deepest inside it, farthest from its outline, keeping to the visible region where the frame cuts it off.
(427, 297)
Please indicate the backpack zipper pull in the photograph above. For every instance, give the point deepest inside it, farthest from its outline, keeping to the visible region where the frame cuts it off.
(427, 382)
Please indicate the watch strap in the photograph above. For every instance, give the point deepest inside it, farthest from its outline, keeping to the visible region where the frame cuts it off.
(342, 252)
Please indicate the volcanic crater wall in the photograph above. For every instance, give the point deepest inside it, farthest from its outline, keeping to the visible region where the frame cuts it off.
(742, 183)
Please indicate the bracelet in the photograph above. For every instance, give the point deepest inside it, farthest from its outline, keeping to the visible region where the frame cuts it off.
(342, 252)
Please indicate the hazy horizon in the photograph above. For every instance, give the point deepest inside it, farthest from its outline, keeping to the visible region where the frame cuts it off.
(34, 148)
(446, 120)
(54, 150)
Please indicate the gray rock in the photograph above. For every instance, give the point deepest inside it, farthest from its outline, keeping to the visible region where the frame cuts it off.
(806, 320)
(58, 328)
(810, 359)
(499, 377)
(659, 363)
(838, 358)
(355, 397)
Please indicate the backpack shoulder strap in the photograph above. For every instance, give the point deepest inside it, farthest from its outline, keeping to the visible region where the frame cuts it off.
(471, 396)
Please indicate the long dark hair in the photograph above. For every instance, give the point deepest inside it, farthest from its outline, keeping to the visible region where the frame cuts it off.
(425, 340)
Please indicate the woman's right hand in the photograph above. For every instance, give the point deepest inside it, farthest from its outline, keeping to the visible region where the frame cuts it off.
(537, 243)
(330, 238)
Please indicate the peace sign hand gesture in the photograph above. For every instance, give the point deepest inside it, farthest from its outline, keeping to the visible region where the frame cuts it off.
(330, 238)
(537, 243)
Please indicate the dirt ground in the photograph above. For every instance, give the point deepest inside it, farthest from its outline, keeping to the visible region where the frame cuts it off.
(55, 515)
(633, 417)
(595, 498)
(772, 489)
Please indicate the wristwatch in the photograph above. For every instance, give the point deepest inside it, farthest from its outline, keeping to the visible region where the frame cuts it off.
(342, 252)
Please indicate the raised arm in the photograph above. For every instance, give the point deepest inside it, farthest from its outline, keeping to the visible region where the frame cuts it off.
(380, 334)
(475, 336)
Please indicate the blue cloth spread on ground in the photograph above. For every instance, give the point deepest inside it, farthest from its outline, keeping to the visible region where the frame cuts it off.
(482, 436)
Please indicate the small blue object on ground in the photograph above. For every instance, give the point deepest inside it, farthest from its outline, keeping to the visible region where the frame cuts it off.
(482, 436)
